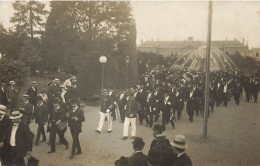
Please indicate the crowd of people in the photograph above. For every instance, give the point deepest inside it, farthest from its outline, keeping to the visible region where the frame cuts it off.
(58, 107)
(160, 96)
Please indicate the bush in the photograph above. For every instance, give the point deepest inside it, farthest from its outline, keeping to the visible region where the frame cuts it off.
(12, 70)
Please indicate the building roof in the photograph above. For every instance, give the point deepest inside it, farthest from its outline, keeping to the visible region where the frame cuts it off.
(181, 44)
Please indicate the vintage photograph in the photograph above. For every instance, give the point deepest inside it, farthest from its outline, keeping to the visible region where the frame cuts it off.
(129, 83)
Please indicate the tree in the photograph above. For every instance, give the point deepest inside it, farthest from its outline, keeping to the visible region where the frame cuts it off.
(28, 17)
(76, 30)
(29, 55)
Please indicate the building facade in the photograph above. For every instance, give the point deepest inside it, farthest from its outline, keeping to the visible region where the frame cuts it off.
(169, 48)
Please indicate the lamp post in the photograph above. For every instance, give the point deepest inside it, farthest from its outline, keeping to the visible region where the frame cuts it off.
(102, 60)
(127, 60)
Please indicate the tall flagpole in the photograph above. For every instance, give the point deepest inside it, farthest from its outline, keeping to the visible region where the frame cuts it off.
(206, 103)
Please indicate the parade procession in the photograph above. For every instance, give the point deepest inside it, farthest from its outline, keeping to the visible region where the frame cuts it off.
(79, 89)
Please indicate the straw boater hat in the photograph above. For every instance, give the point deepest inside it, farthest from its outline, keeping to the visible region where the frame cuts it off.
(179, 142)
(12, 82)
(56, 80)
(16, 115)
(2, 109)
(26, 96)
(34, 82)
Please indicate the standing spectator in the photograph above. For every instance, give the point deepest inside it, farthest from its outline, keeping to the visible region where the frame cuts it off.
(20, 139)
(138, 158)
(105, 112)
(179, 147)
(41, 118)
(3, 99)
(26, 109)
(158, 136)
(57, 116)
(32, 93)
(75, 119)
(130, 116)
(163, 146)
(4, 125)
(12, 93)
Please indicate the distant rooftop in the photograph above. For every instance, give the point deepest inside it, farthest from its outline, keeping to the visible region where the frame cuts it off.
(191, 42)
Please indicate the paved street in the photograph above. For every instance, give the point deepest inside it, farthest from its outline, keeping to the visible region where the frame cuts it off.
(233, 139)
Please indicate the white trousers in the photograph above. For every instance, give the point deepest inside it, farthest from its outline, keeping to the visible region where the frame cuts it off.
(102, 119)
(126, 126)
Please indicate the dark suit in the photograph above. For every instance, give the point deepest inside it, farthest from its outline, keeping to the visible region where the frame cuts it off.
(5, 123)
(32, 96)
(141, 99)
(149, 108)
(12, 96)
(26, 110)
(75, 128)
(41, 117)
(23, 142)
(3, 99)
(191, 105)
(138, 159)
(121, 103)
(57, 115)
(166, 113)
(183, 160)
(163, 146)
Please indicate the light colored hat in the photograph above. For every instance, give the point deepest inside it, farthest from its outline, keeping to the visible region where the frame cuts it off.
(2, 107)
(56, 80)
(179, 142)
(34, 82)
(16, 115)
(12, 82)
(26, 96)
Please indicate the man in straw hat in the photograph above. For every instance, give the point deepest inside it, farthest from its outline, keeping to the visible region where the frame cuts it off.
(26, 109)
(5, 122)
(179, 146)
(41, 118)
(12, 95)
(20, 138)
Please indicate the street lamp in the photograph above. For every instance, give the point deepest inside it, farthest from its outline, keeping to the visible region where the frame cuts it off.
(102, 60)
(127, 60)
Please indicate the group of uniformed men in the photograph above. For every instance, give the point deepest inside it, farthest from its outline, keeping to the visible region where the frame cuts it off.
(164, 92)
(56, 107)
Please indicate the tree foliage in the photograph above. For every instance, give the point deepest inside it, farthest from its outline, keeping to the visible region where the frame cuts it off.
(12, 70)
(76, 31)
(28, 17)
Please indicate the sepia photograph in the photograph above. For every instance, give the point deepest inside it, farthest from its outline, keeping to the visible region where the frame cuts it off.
(129, 83)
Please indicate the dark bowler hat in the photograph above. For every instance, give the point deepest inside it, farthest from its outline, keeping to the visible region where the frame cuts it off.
(138, 142)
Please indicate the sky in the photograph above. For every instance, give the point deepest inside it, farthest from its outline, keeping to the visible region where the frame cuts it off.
(177, 20)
